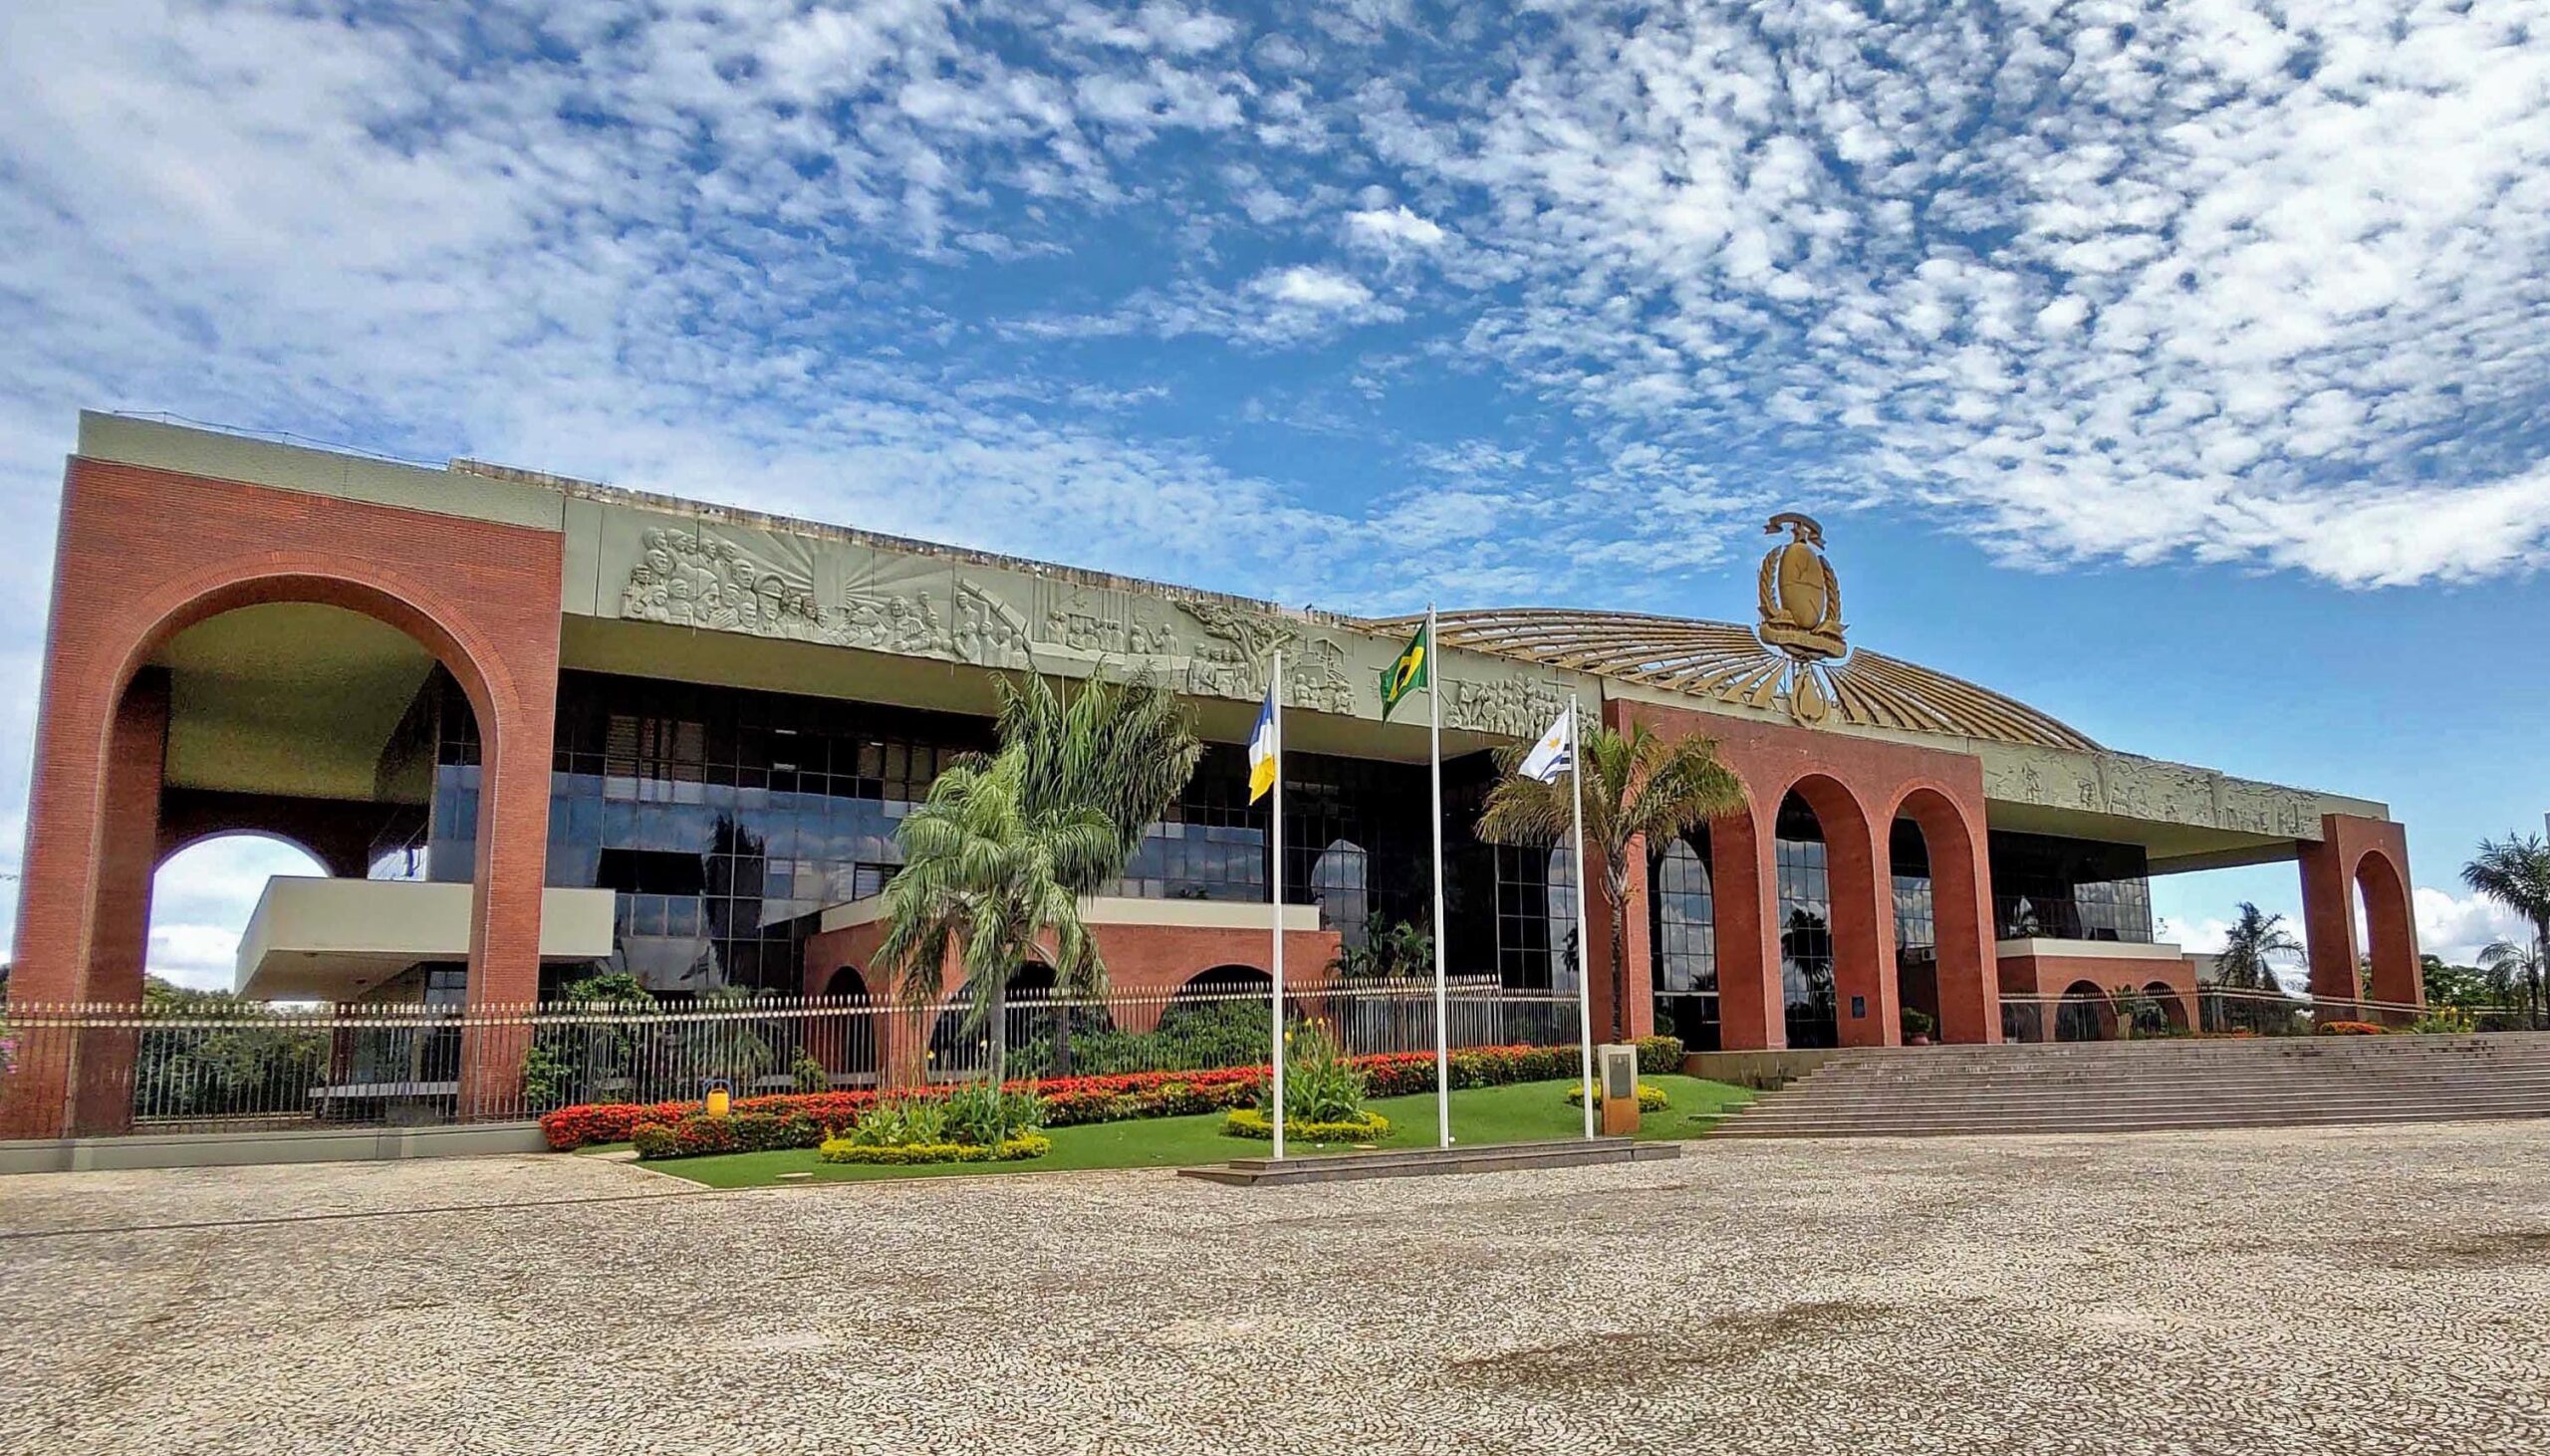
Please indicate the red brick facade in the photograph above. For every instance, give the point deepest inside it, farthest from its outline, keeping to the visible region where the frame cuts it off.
(2369, 855)
(1857, 787)
(144, 554)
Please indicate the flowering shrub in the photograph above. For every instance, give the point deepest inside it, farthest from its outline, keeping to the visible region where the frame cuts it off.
(1660, 1056)
(1363, 1127)
(1651, 1098)
(699, 1133)
(1071, 1102)
(1012, 1149)
(2351, 1029)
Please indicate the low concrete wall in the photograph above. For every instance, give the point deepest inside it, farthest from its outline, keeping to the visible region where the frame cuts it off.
(232, 1150)
(1760, 1070)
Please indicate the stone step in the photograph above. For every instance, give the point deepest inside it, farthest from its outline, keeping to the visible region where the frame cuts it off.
(1751, 1128)
(1492, 1157)
(2019, 1091)
(2154, 1086)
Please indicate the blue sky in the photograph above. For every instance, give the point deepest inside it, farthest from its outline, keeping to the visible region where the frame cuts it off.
(2180, 371)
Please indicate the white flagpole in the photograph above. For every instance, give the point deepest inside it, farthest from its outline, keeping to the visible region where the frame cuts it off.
(1583, 980)
(1442, 1018)
(1275, 705)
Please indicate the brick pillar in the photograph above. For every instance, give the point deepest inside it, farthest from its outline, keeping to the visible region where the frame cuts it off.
(1749, 997)
(1636, 990)
(1860, 870)
(1970, 972)
(119, 930)
(518, 737)
(2353, 850)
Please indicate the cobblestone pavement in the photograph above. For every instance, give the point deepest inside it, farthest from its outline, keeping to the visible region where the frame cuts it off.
(2378, 1290)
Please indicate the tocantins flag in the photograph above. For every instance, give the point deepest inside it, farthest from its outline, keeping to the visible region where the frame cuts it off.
(1411, 672)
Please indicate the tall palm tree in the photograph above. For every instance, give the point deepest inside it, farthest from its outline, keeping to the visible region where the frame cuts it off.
(2515, 873)
(1637, 786)
(998, 859)
(2253, 938)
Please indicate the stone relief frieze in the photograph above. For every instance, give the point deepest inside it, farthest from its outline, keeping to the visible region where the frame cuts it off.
(906, 621)
(694, 578)
(1517, 707)
(1233, 662)
(989, 631)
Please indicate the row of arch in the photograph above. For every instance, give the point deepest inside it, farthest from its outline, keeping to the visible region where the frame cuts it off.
(1790, 906)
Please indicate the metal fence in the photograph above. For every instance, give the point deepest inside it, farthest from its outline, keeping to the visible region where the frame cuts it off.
(2217, 1011)
(249, 1066)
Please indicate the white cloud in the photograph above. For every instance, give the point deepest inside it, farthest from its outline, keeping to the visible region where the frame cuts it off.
(1319, 290)
(2455, 927)
(1393, 230)
(200, 903)
(2233, 283)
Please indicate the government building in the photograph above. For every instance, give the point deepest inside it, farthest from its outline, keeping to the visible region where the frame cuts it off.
(534, 727)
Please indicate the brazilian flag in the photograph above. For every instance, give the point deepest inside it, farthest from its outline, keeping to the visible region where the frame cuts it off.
(1414, 670)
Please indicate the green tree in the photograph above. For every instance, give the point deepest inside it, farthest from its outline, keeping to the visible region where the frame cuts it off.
(1389, 950)
(2514, 976)
(2515, 873)
(2255, 938)
(999, 859)
(1638, 788)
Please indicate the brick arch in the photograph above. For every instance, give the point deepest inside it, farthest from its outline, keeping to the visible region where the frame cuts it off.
(1961, 908)
(2356, 856)
(1863, 899)
(144, 554)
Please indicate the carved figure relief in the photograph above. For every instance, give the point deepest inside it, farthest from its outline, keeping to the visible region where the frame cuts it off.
(888, 622)
(693, 579)
(1515, 707)
(989, 631)
(1233, 663)
(1318, 680)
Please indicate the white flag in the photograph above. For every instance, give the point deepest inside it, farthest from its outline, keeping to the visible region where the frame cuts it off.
(1554, 754)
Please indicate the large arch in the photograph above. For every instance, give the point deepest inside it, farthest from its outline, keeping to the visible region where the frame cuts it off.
(2358, 860)
(1968, 974)
(1858, 920)
(143, 555)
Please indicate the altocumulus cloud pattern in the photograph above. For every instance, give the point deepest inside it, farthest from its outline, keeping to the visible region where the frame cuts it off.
(1490, 297)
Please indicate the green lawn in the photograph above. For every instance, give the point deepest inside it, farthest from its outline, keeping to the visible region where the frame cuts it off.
(1482, 1116)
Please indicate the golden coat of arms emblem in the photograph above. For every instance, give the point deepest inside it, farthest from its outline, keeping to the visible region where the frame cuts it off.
(1801, 611)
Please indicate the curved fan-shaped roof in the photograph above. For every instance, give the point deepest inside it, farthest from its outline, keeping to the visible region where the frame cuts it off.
(1716, 659)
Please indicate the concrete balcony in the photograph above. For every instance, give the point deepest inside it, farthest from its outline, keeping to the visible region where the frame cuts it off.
(338, 939)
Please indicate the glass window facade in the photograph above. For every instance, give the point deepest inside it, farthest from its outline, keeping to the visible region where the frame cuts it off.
(2069, 890)
(724, 819)
(1917, 933)
(1683, 901)
(1806, 927)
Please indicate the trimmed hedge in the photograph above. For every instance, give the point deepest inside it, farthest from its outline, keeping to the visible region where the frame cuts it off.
(1660, 1055)
(1024, 1145)
(698, 1134)
(1367, 1126)
(1073, 1101)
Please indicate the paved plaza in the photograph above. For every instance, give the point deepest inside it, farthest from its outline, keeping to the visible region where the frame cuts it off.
(2358, 1290)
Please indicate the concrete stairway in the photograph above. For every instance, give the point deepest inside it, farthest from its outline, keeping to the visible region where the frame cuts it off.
(2120, 1087)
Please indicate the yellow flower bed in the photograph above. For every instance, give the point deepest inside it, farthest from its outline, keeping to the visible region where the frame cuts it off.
(1651, 1098)
(1250, 1122)
(1024, 1145)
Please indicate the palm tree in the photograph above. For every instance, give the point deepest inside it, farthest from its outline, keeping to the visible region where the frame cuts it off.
(2515, 873)
(998, 859)
(1637, 788)
(2254, 938)
(2515, 975)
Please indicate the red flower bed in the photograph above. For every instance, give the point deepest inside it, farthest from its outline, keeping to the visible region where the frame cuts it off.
(2353, 1029)
(1068, 1101)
